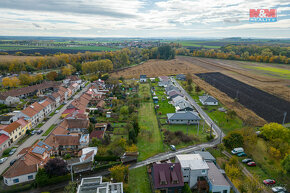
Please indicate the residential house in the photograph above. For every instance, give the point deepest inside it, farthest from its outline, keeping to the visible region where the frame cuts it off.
(171, 87)
(34, 113)
(47, 107)
(167, 177)
(206, 156)
(26, 167)
(129, 157)
(7, 119)
(84, 162)
(76, 125)
(193, 166)
(208, 100)
(57, 98)
(177, 100)
(63, 93)
(183, 117)
(143, 78)
(4, 142)
(95, 184)
(63, 144)
(173, 93)
(180, 77)
(183, 106)
(217, 182)
(8, 100)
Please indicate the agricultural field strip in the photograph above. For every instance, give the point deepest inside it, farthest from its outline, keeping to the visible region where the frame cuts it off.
(268, 106)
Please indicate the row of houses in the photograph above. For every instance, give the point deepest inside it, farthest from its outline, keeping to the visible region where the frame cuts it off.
(198, 170)
(71, 136)
(14, 125)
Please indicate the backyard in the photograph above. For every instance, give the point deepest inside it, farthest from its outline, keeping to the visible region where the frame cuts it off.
(149, 130)
(139, 181)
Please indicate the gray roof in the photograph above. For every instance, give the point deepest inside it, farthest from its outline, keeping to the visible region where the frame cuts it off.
(171, 87)
(183, 105)
(143, 76)
(183, 115)
(5, 117)
(206, 155)
(215, 176)
(207, 98)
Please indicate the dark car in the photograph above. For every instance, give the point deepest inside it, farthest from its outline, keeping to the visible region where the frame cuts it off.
(269, 182)
(12, 162)
(251, 164)
(241, 154)
(39, 132)
(12, 151)
(247, 160)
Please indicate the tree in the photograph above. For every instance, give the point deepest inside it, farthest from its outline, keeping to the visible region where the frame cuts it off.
(51, 75)
(119, 172)
(14, 82)
(232, 171)
(39, 77)
(71, 187)
(197, 89)
(41, 177)
(189, 78)
(56, 167)
(68, 70)
(286, 164)
(186, 188)
(233, 139)
(124, 110)
(132, 148)
(189, 88)
(6, 82)
(25, 79)
(274, 131)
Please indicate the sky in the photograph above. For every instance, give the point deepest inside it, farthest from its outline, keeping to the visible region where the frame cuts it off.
(142, 18)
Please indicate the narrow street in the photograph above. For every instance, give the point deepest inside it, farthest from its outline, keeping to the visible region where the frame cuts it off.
(54, 119)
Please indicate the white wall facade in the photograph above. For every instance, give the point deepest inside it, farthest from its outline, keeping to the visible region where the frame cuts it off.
(19, 179)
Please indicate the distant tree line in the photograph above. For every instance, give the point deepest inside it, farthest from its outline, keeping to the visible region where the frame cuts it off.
(89, 61)
(269, 54)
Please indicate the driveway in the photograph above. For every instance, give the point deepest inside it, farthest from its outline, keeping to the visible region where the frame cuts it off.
(31, 140)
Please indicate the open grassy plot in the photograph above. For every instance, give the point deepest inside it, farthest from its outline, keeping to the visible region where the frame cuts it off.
(139, 181)
(149, 139)
(282, 73)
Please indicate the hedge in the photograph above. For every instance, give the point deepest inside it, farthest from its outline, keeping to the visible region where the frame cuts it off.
(106, 158)
(17, 188)
(106, 166)
(55, 180)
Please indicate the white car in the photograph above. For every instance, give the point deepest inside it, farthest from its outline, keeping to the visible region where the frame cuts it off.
(2, 160)
(278, 189)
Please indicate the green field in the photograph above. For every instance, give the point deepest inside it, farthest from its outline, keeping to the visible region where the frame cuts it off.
(49, 130)
(139, 181)
(149, 139)
(283, 73)
(195, 44)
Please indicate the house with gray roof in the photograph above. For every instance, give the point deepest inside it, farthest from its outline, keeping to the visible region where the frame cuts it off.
(208, 100)
(173, 93)
(177, 100)
(206, 155)
(180, 77)
(143, 78)
(183, 117)
(216, 180)
(183, 106)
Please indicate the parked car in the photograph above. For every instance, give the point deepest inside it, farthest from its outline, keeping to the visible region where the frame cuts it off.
(269, 182)
(12, 151)
(278, 189)
(251, 164)
(243, 154)
(33, 132)
(247, 160)
(237, 150)
(12, 162)
(39, 132)
(2, 160)
(57, 111)
(172, 147)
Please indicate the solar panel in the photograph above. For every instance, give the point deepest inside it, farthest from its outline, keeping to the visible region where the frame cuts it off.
(38, 150)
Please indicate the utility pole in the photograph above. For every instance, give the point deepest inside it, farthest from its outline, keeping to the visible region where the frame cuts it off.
(285, 114)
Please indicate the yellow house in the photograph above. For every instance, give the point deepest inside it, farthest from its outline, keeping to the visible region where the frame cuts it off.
(16, 129)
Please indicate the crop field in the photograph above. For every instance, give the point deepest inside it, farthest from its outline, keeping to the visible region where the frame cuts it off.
(9, 58)
(267, 106)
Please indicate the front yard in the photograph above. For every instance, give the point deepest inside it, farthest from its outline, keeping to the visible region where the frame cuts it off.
(139, 181)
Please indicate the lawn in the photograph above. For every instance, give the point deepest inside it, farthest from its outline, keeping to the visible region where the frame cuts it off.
(149, 130)
(39, 125)
(58, 108)
(283, 73)
(139, 181)
(49, 130)
(220, 118)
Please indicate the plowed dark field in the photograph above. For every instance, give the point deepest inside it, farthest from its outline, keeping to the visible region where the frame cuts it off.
(267, 106)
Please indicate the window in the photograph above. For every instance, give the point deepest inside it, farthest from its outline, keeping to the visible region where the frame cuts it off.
(225, 191)
(203, 171)
(16, 180)
(30, 177)
(6, 182)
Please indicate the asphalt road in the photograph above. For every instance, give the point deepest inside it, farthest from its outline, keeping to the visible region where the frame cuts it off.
(29, 142)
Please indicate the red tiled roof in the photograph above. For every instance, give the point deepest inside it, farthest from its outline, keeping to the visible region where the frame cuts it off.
(3, 138)
(12, 127)
(22, 122)
(30, 112)
(97, 134)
